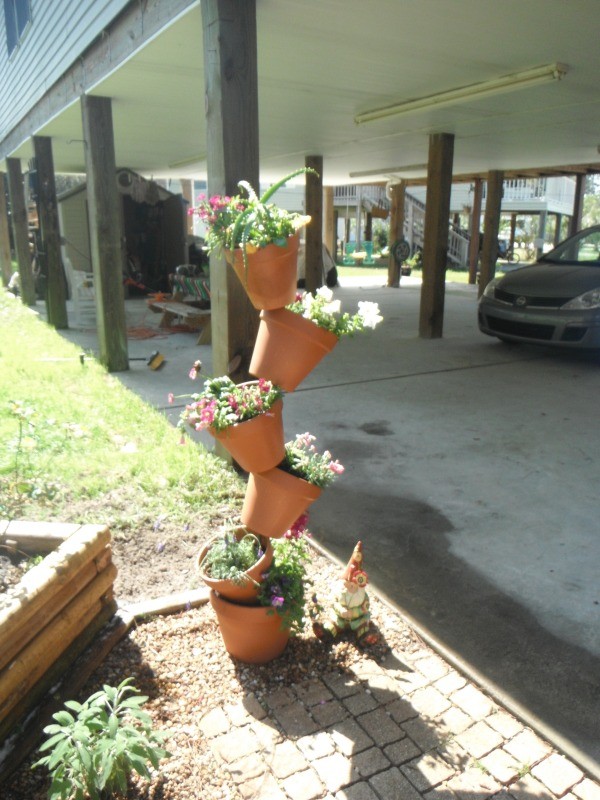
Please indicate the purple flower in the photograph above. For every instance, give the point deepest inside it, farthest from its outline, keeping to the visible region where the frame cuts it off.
(277, 601)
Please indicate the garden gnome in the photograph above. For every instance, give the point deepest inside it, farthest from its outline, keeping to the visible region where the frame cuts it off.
(350, 610)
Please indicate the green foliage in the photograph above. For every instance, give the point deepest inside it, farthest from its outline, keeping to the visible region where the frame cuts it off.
(223, 403)
(30, 451)
(285, 584)
(228, 558)
(303, 460)
(380, 235)
(94, 750)
(326, 312)
(249, 221)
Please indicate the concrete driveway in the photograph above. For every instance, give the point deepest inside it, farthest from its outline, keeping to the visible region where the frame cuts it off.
(472, 478)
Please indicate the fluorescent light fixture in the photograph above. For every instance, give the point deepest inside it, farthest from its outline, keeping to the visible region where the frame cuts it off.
(186, 162)
(385, 171)
(507, 83)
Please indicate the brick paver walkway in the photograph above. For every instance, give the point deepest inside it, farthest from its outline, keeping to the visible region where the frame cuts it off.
(411, 728)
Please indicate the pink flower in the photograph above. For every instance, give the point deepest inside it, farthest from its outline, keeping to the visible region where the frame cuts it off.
(195, 370)
(277, 601)
(298, 528)
(335, 467)
(171, 397)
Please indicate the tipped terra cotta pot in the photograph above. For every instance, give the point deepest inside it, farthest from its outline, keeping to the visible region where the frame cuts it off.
(256, 444)
(246, 589)
(250, 633)
(270, 275)
(288, 347)
(274, 500)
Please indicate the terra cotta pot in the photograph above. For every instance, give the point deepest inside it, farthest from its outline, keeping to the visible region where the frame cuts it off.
(274, 500)
(256, 444)
(250, 633)
(270, 275)
(288, 347)
(246, 590)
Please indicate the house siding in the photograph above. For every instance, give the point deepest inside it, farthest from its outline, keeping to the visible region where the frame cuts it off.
(59, 32)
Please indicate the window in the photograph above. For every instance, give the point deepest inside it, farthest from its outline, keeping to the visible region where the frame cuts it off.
(17, 15)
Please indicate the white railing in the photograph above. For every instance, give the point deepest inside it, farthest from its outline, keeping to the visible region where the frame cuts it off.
(414, 218)
(349, 195)
(556, 190)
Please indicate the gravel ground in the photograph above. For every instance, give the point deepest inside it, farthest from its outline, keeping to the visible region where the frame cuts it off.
(180, 662)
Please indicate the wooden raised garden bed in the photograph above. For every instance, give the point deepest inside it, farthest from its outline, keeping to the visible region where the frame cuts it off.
(54, 612)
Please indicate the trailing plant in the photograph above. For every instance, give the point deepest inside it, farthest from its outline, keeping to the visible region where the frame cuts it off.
(303, 460)
(94, 750)
(249, 221)
(285, 584)
(228, 558)
(326, 312)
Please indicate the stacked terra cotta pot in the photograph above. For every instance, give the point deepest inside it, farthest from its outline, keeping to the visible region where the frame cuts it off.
(287, 348)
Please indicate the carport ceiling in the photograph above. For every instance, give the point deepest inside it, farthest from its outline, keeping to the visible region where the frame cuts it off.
(323, 61)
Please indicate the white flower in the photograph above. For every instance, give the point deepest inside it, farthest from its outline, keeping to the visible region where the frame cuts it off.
(369, 313)
(325, 293)
(332, 308)
(307, 302)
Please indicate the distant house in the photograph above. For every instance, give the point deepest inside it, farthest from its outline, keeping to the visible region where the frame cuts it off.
(153, 224)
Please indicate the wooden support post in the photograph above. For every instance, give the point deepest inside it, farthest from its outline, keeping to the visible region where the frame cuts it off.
(541, 233)
(368, 227)
(329, 218)
(106, 231)
(557, 228)
(231, 103)
(5, 257)
(187, 193)
(398, 192)
(491, 226)
(56, 289)
(435, 245)
(314, 230)
(358, 217)
(577, 204)
(513, 228)
(20, 230)
(475, 230)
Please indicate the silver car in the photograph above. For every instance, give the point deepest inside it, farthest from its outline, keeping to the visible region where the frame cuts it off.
(555, 301)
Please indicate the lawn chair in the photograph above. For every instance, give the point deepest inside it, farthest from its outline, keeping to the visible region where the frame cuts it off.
(368, 248)
(349, 249)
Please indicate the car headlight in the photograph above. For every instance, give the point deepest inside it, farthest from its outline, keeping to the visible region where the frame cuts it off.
(585, 301)
(489, 289)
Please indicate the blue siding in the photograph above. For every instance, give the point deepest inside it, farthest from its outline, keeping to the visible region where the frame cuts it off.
(60, 31)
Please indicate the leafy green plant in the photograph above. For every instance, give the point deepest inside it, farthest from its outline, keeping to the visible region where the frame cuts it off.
(249, 222)
(94, 751)
(326, 312)
(228, 558)
(285, 584)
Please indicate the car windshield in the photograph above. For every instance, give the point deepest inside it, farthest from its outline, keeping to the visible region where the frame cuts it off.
(583, 248)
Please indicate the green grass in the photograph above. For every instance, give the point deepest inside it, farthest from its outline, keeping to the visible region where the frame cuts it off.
(74, 433)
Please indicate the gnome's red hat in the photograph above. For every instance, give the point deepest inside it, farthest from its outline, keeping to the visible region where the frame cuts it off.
(354, 571)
